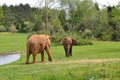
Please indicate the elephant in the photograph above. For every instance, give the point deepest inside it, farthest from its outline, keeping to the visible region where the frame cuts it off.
(67, 43)
(37, 44)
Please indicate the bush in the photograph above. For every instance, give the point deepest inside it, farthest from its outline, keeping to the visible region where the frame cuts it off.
(87, 34)
(12, 28)
(105, 36)
(80, 40)
(26, 27)
(2, 28)
(84, 42)
(56, 38)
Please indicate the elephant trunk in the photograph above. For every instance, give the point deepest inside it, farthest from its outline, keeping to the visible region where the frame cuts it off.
(68, 50)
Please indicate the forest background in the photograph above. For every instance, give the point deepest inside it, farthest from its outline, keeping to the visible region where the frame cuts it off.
(77, 18)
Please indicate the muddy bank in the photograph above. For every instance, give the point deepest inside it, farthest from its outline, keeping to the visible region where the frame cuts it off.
(6, 53)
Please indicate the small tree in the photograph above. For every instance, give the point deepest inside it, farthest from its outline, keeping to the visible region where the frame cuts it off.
(12, 28)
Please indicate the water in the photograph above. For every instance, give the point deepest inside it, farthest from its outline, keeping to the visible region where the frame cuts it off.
(9, 58)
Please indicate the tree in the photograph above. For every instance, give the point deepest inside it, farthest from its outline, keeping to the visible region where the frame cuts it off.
(101, 24)
(70, 8)
(62, 17)
(115, 22)
(37, 20)
(9, 15)
(17, 15)
(2, 17)
(47, 5)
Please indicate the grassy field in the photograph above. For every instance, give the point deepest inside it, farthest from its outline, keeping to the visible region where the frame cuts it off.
(100, 61)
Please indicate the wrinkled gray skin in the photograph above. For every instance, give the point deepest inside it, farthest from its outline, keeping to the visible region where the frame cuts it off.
(67, 43)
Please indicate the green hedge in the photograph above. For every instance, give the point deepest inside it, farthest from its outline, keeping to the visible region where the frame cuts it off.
(56, 39)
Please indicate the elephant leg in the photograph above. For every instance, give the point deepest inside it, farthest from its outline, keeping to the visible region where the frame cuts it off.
(34, 58)
(65, 51)
(27, 58)
(42, 56)
(71, 50)
(68, 52)
(47, 49)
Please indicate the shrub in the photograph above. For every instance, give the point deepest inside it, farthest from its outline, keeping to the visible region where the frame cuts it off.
(12, 28)
(26, 27)
(87, 34)
(2, 28)
(105, 36)
(80, 40)
(84, 42)
(56, 38)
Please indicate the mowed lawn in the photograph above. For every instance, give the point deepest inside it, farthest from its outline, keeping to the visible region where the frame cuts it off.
(100, 61)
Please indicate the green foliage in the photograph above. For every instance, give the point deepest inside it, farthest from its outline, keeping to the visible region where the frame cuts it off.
(84, 42)
(116, 15)
(2, 17)
(37, 21)
(57, 25)
(81, 16)
(67, 26)
(105, 36)
(87, 34)
(1, 13)
(62, 17)
(115, 23)
(16, 15)
(2, 28)
(28, 26)
(12, 28)
(56, 38)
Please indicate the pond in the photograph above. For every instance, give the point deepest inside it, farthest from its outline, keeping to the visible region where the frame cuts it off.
(9, 58)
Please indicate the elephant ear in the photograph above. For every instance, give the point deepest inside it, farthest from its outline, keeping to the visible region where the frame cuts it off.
(48, 39)
(74, 42)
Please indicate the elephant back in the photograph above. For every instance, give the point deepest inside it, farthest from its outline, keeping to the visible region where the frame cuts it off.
(45, 39)
(39, 39)
(33, 39)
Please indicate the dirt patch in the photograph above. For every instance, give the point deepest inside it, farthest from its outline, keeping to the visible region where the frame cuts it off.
(87, 61)
(6, 53)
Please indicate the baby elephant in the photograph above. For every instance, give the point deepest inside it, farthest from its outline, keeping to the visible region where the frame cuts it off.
(37, 44)
(68, 42)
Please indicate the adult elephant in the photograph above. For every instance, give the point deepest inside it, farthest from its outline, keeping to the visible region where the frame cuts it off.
(37, 44)
(68, 42)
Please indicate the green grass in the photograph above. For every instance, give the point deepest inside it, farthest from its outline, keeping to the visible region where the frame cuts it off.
(61, 68)
(12, 42)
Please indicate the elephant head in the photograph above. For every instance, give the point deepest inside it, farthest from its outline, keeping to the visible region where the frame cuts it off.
(37, 44)
(68, 42)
